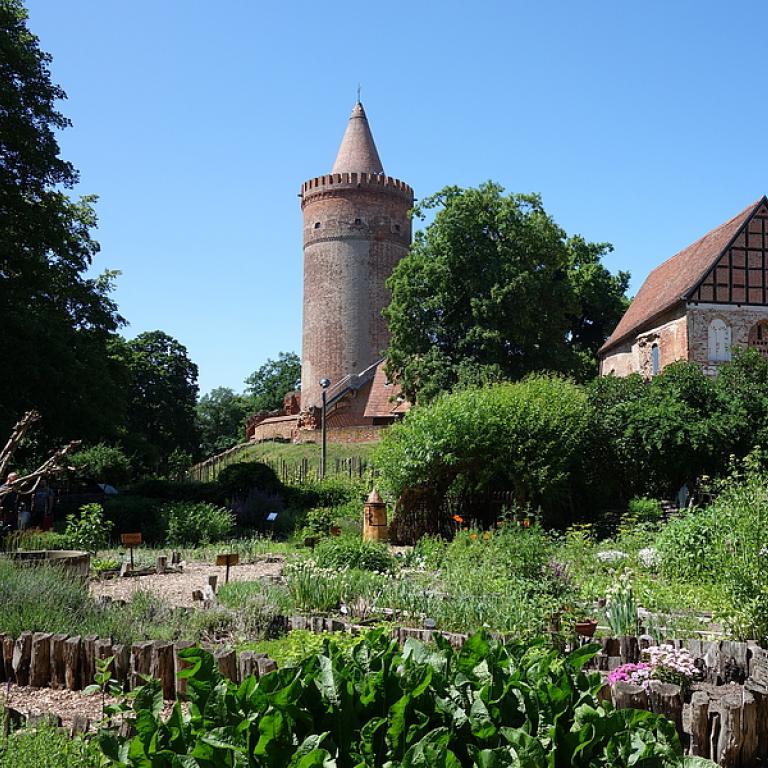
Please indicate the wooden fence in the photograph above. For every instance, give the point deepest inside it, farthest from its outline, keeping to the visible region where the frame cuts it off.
(725, 720)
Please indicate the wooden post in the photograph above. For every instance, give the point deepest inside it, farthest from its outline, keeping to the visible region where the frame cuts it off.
(7, 657)
(71, 654)
(699, 724)
(729, 740)
(181, 682)
(629, 649)
(248, 665)
(629, 696)
(213, 580)
(57, 661)
(164, 668)
(666, 699)
(40, 660)
(266, 666)
(162, 562)
(141, 662)
(122, 664)
(22, 651)
(750, 731)
(88, 659)
(227, 664)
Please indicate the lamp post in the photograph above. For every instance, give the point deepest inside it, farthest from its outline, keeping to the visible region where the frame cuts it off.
(324, 384)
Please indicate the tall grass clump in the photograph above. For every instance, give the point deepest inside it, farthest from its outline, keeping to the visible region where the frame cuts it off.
(727, 543)
(46, 747)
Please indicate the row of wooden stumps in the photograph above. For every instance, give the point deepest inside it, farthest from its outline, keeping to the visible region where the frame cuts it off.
(45, 660)
(728, 727)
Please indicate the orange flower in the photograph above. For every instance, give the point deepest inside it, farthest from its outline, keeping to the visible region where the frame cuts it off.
(458, 518)
(499, 523)
(473, 536)
(487, 535)
(526, 523)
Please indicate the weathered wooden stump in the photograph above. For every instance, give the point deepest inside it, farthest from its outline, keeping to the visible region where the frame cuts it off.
(72, 656)
(141, 662)
(226, 660)
(88, 659)
(8, 643)
(22, 653)
(40, 660)
(164, 668)
(699, 724)
(181, 682)
(162, 564)
(266, 666)
(57, 661)
(729, 738)
(122, 664)
(629, 696)
(667, 699)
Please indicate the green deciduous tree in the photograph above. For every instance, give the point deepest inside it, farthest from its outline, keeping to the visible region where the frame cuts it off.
(267, 386)
(221, 418)
(162, 392)
(493, 289)
(55, 321)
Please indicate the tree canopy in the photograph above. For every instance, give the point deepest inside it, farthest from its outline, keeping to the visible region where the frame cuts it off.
(56, 321)
(268, 385)
(493, 289)
(221, 415)
(162, 392)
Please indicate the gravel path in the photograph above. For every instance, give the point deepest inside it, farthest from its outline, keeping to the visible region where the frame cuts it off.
(65, 704)
(176, 588)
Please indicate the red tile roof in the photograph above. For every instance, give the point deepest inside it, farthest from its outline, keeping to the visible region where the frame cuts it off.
(382, 399)
(672, 281)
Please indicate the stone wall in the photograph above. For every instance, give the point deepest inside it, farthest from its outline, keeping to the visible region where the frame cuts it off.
(634, 356)
(739, 319)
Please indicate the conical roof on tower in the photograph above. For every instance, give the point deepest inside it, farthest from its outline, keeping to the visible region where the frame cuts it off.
(358, 153)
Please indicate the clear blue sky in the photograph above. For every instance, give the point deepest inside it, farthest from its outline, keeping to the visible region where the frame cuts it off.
(196, 122)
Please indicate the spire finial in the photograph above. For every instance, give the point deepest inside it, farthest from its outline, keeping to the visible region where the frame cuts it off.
(358, 93)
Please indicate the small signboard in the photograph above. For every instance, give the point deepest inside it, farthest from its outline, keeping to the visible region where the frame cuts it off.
(229, 559)
(130, 540)
(271, 517)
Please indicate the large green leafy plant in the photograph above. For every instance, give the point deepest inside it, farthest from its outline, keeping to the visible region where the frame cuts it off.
(485, 705)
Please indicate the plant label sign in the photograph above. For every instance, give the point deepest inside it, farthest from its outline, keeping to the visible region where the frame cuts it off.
(228, 560)
(130, 540)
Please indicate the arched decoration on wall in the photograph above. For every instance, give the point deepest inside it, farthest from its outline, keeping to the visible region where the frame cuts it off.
(655, 360)
(758, 337)
(719, 341)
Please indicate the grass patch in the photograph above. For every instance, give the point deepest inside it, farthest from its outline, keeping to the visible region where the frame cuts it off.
(46, 747)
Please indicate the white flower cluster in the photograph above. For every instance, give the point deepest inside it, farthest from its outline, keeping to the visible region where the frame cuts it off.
(611, 556)
(648, 557)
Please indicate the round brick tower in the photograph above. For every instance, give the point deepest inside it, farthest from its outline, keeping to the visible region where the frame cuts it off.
(356, 228)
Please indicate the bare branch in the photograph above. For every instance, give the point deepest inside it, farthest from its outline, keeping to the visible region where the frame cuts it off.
(17, 435)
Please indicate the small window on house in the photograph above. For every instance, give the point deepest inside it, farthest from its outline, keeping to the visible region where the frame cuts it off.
(397, 227)
(358, 221)
(655, 360)
(719, 341)
(317, 225)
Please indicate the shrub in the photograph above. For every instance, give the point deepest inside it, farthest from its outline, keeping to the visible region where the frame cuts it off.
(90, 531)
(239, 478)
(130, 513)
(104, 463)
(526, 437)
(644, 510)
(191, 524)
(352, 552)
(33, 539)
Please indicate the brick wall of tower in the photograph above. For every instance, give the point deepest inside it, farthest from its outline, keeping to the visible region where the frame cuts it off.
(356, 229)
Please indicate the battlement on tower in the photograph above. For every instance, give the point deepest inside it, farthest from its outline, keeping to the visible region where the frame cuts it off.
(336, 181)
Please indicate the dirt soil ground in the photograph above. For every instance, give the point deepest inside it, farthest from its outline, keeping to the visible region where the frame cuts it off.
(176, 588)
